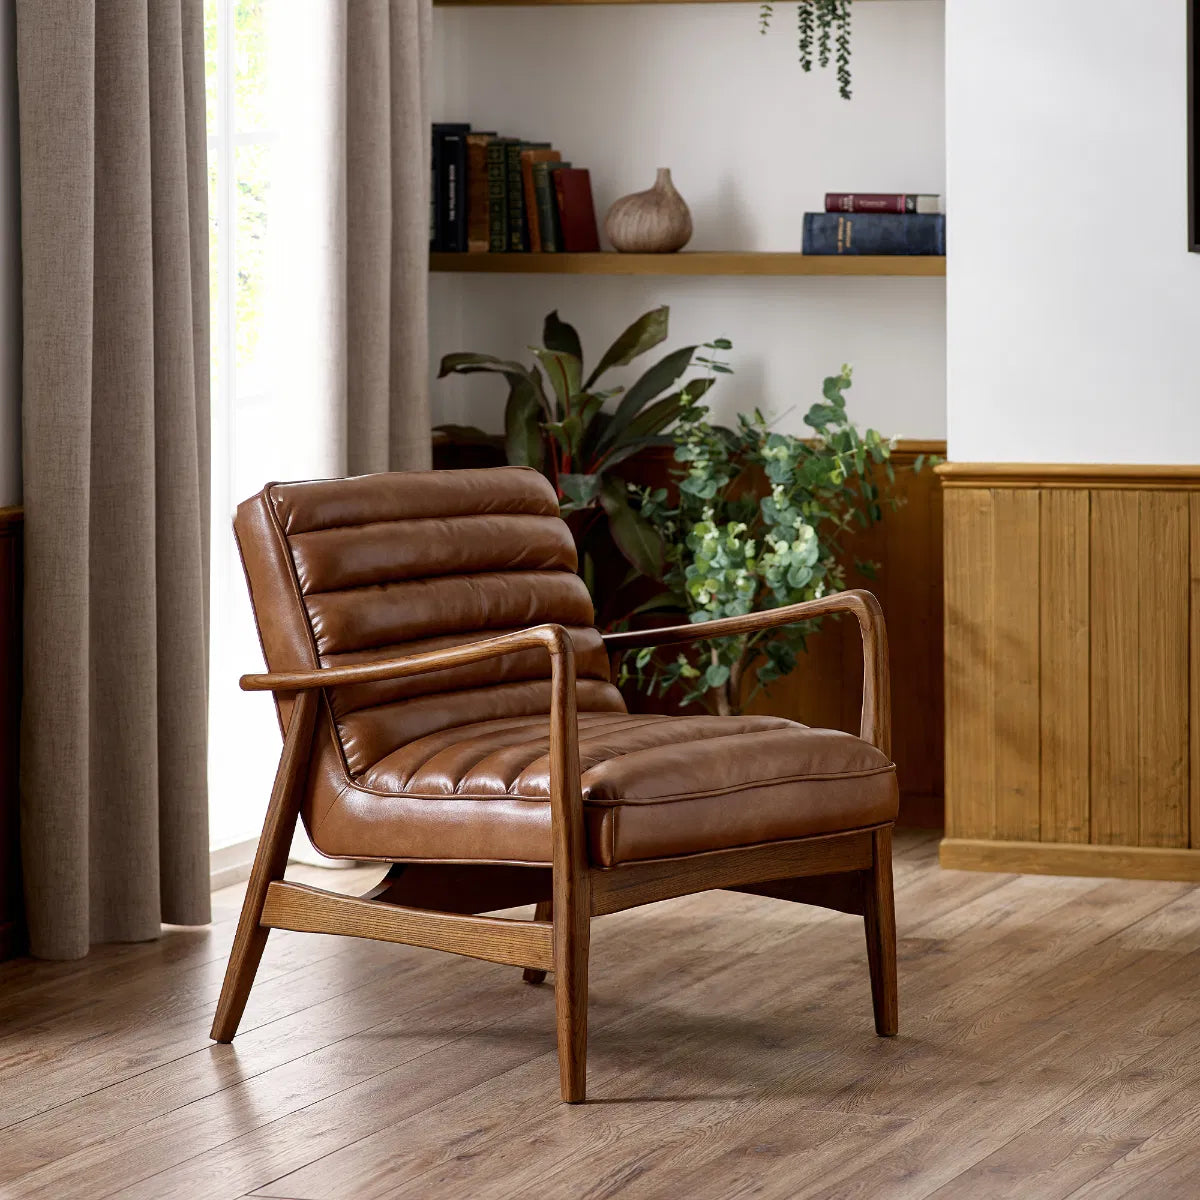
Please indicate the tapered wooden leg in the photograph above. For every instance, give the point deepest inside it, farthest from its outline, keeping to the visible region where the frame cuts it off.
(543, 912)
(572, 939)
(270, 862)
(880, 920)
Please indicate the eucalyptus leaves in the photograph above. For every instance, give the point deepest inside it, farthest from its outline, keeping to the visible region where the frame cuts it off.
(735, 548)
(825, 23)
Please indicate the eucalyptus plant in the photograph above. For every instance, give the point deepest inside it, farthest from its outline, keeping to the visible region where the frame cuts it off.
(556, 419)
(825, 23)
(736, 546)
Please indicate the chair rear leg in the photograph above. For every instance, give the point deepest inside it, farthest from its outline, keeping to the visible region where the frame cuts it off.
(543, 912)
(880, 921)
(270, 862)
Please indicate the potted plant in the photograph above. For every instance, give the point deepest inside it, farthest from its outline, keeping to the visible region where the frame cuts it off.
(556, 419)
(760, 519)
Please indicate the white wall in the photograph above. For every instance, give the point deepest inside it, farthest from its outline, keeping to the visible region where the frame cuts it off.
(10, 270)
(1073, 329)
(753, 143)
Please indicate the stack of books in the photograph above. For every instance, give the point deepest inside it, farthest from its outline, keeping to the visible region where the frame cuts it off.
(493, 194)
(876, 223)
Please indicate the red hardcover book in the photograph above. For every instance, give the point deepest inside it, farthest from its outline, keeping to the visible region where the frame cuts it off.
(576, 212)
(881, 202)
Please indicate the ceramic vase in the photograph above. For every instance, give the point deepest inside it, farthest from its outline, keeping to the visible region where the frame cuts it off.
(656, 221)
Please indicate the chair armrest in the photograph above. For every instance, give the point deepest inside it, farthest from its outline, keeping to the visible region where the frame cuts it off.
(875, 725)
(566, 792)
(553, 637)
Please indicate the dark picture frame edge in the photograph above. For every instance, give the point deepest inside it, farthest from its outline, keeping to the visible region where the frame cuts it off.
(1193, 125)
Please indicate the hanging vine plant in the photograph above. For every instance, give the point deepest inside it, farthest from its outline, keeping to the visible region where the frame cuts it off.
(824, 24)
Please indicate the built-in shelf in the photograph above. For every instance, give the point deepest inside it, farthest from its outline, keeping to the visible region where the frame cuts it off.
(696, 262)
(512, 3)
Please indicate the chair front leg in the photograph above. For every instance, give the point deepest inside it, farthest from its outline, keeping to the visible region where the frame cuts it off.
(572, 893)
(270, 862)
(880, 921)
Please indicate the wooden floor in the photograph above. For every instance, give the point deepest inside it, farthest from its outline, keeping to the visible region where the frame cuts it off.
(1050, 1047)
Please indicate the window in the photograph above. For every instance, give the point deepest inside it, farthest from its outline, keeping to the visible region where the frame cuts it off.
(273, 203)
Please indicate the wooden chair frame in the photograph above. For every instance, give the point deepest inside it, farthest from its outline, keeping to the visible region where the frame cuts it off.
(437, 905)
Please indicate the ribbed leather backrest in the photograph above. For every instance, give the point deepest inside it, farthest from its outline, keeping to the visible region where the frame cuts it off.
(347, 571)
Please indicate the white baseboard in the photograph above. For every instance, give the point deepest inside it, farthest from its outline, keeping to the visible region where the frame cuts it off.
(231, 864)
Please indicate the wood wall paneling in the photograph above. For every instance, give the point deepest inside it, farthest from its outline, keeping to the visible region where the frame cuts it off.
(12, 926)
(1072, 673)
(1064, 666)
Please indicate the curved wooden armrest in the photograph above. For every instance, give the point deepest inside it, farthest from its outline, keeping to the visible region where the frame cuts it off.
(566, 791)
(875, 725)
(553, 637)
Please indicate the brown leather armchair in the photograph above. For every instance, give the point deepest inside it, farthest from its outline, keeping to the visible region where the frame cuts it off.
(446, 708)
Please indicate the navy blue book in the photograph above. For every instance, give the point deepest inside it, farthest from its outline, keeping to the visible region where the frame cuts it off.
(874, 233)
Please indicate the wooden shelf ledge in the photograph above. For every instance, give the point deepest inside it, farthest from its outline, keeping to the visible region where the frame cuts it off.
(696, 262)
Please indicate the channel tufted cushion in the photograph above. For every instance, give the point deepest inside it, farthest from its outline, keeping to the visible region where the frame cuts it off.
(453, 765)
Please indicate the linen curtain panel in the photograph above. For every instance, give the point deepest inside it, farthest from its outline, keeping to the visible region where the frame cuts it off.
(385, 69)
(114, 233)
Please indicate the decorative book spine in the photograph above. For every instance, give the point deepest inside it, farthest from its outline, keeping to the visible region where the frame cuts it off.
(449, 185)
(518, 234)
(497, 176)
(477, 192)
(547, 204)
(530, 156)
(874, 233)
(881, 202)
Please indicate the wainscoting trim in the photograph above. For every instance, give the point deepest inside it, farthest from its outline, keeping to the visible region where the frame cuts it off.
(1073, 669)
(1064, 858)
(1070, 475)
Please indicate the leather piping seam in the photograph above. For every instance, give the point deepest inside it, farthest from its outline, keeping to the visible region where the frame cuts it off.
(615, 867)
(673, 798)
(561, 569)
(281, 534)
(494, 512)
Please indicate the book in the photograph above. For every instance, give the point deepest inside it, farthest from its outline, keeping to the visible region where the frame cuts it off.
(448, 185)
(477, 191)
(547, 204)
(881, 202)
(874, 233)
(497, 177)
(576, 211)
(518, 228)
(529, 156)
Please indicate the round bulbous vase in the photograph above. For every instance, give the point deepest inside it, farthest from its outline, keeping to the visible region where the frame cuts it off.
(656, 221)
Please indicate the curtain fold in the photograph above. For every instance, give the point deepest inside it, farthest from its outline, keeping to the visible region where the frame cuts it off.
(114, 235)
(386, 135)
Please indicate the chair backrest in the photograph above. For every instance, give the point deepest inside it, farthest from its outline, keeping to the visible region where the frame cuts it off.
(347, 571)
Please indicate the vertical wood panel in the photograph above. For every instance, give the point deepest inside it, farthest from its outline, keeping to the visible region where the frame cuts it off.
(1114, 666)
(1015, 652)
(969, 667)
(1163, 669)
(1064, 666)
(1194, 672)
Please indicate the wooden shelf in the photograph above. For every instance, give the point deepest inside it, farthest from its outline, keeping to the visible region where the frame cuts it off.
(529, 3)
(696, 262)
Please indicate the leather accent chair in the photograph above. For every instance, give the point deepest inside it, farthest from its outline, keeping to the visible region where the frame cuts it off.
(446, 708)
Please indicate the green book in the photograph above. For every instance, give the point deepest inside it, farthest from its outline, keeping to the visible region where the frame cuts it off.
(518, 227)
(497, 185)
(547, 204)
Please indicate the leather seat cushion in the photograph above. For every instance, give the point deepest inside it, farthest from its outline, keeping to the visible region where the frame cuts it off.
(653, 786)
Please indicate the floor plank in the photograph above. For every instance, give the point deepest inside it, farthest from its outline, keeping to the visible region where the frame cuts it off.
(1049, 1048)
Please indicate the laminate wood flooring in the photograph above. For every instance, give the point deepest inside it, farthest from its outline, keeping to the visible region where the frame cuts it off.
(1049, 1048)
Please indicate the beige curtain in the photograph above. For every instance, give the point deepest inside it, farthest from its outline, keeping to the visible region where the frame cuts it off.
(114, 235)
(385, 68)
